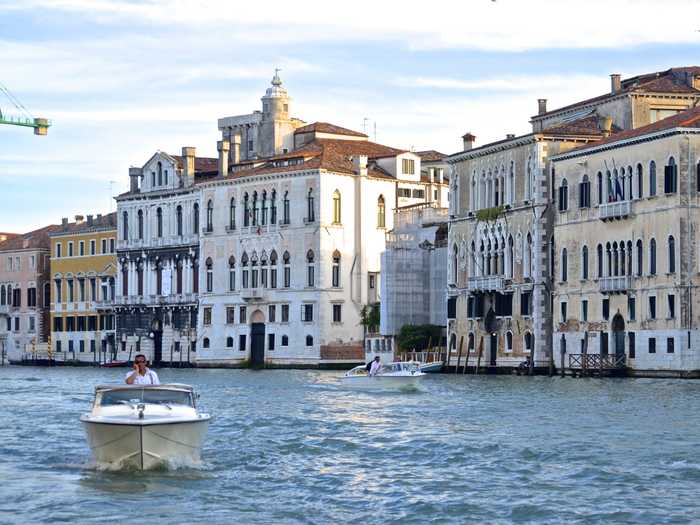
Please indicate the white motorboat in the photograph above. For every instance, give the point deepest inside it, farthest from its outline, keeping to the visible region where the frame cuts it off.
(145, 426)
(403, 375)
(432, 367)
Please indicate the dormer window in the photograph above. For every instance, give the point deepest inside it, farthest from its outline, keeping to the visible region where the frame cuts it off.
(408, 166)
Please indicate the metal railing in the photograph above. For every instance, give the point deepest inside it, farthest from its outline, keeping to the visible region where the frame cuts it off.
(596, 361)
(614, 210)
(615, 283)
(485, 283)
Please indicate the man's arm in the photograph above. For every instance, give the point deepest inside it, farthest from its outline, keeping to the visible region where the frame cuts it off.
(130, 378)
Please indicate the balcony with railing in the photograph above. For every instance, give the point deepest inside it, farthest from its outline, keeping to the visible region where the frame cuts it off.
(252, 294)
(615, 283)
(486, 283)
(614, 210)
(155, 300)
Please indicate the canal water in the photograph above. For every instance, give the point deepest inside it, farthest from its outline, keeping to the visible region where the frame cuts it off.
(295, 447)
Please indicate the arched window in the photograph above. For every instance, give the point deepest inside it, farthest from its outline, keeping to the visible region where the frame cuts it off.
(652, 178)
(139, 220)
(2, 295)
(309, 340)
(511, 183)
(254, 271)
(231, 273)
(254, 211)
(640, 258)
(139, 278)
(263, 209)
(159, 223)
(599, 253)
(629, 258)
(310, 280)
(608, 252)
(381, 212)
(246, 210)
(178, 276)
(229, 342)
(244, 270)
(528, 342)
(511, 259)
(285, 208)
(273, 207)
(195, 218)
(584, 263)
(640, 181)
(178, 220)
(509, 341)
(205, 342)
(454, 264)
(671, 254)
(470, 342)
(125, 226)
(671, 176)
(584, 193)
(564, 196)
(336, 207)
(310, 212)
(335, 272)
(630, 178)
(564, 265)
(263, 270)
(527, 257)
(273, 269)
(530, 189)
(210, 274)
(652, 257)
(125, 280)
(599, 178)
(287, 270)
(160, 174)
(232, 214)
(210, 215)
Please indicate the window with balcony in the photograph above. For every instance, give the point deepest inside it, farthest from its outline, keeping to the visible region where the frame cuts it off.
(254, 210)
(263, 209)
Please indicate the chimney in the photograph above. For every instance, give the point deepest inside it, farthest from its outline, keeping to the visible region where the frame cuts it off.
(134, 175)
(510, 136)
(223, 146)
(188, 154)
(79, 219)
(605, 124)
(615, 83)
(541, 106)
(468, 141)
(64, 222)
(235, 152)
(89, 220)
(359, 164)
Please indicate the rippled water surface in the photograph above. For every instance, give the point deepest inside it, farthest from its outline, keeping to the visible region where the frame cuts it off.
(294, 447)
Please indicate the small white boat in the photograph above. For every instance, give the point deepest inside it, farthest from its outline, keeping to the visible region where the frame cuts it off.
(432, 367)
(145, 426)
(404, 375)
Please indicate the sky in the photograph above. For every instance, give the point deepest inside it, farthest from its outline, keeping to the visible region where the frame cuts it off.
(122, 79)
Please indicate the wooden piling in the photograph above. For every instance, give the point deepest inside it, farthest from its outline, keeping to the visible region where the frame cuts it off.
(478, 356)
(466, 361)
(459, 353)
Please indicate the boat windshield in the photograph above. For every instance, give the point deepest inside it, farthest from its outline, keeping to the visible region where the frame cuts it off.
(153, 396)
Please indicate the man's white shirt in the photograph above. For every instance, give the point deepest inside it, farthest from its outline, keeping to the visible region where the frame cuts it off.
(149, 378)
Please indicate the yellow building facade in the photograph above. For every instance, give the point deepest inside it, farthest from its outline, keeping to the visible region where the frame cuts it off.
(83, 272)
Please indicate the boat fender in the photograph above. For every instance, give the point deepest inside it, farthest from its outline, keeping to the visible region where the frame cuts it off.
(141, 408)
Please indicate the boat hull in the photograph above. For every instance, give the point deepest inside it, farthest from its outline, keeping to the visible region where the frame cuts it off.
(431, 367)
(146, 446)
(382, 382)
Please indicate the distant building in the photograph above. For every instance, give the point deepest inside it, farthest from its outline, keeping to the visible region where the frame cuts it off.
(158, 257)
(502, 214)
(292, 236)
(414, 272)
(626, 251)
(83, 272)
(25, 292)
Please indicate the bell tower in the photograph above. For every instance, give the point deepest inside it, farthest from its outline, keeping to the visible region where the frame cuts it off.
(276, 131)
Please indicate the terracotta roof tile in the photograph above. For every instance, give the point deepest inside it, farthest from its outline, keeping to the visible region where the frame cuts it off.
(686, 119)
(200, 163)
(325, 127)
(430, 155)
(103, 221)
(33, 239)
(588, 125)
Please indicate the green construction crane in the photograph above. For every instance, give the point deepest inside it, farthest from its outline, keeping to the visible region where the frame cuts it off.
(40, 125)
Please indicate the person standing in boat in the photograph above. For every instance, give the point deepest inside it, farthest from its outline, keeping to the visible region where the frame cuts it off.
(376, 366)
(141, 374)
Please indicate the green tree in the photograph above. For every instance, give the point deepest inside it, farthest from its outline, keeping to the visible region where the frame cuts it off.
(418, 337)
(369, 317)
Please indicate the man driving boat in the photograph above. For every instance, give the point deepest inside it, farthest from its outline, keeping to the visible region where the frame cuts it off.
(141, 374)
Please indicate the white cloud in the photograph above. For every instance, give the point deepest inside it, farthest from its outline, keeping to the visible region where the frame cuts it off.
(513, 25)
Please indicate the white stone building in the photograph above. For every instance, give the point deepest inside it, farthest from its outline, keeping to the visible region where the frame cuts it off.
(291, 242)
(627, 251)
(502, 215)
(157, 257)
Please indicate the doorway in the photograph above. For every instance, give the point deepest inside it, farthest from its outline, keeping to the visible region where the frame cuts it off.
(257, 344)
(618, 330)
(493, 349)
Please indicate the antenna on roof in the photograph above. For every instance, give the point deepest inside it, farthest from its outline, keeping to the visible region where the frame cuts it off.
(111, 197)
(364, 125)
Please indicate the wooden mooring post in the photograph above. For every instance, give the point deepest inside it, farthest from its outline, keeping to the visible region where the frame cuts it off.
(459, 353)
(466, 361)
(478, 356)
